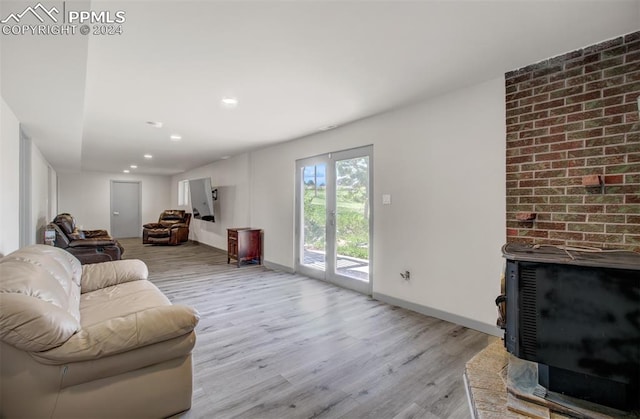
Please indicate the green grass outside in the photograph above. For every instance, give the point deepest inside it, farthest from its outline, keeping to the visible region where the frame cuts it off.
(352, 223)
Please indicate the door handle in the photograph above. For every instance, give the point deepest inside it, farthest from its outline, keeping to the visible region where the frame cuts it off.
(116, 213)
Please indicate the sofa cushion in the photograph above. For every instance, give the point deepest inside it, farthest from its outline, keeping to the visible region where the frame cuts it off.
(119, 301)
(101, 275)
(123, 334)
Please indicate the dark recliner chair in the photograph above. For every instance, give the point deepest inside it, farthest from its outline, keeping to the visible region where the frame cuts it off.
(172, 228)
(89, 246)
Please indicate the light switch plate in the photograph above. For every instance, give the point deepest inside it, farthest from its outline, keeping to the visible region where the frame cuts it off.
(386, 199)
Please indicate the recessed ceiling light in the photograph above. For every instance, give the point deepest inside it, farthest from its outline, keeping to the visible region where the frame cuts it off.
(155, 124)
(148, 156)
(225, 157)
(133, 166)
(126, 171)
(229, 102)
(175, 137)
(327, 128)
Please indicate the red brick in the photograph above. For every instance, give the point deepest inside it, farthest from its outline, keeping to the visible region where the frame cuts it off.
(566, 109)
(534, 133)
(630, 107)
(550, 173)
(588, 209)
(533, 183)
(519, 111)
(534, 99)
(518, 95)
(519, 127)
(547, 71)
(590, 133)
(533, 233)
(603, 238)
(606, 218)
(574, 126)
(533, 116)
(603, 141)
(628, 78)
(556, 138)
(584, 78)
(605, 161)
(551, 156)
(551, 121)
(595, 113)
(623, 228)
(519, 159)
(548, 105)
(601, 122)
(551, 226)
(604, 64)
(567, 181)
(563, 235)
(613, 91)
(623, 69)
(517, 79)
(603, 84)
(613, 179)
(569, 91)
(568, 163)
(596, 94)
(623, 149)
(565, 74)
(567, 145)
(522, 143)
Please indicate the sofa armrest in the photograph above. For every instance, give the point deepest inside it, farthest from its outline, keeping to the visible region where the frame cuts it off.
(153, 225)
(90, 234)
(178, 225)
(122, 334)
(92, 242)
(101, 275)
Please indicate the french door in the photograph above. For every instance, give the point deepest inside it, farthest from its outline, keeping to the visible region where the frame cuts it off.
(334, 218)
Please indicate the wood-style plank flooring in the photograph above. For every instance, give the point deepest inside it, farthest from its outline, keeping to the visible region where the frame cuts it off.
(280, 345)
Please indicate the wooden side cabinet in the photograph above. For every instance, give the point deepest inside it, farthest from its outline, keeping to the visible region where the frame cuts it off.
(244, 245)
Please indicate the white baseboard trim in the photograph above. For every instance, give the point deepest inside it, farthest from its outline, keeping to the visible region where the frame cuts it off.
(443, 315)
(277, 267)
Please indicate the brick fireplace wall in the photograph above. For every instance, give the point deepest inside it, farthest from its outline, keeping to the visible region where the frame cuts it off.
(567, 118)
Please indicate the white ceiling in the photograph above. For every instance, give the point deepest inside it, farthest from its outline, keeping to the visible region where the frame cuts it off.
(294, 66)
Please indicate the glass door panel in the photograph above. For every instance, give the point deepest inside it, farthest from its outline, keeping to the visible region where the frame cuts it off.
(352, 218)
(314, 220)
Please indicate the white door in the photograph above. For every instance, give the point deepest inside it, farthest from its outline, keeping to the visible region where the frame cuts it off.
(125, 209)
(334, 218)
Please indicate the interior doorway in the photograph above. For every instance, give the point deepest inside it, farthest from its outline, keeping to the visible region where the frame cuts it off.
(126, 209)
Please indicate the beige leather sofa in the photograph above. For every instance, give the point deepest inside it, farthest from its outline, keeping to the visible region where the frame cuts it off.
(89, 341)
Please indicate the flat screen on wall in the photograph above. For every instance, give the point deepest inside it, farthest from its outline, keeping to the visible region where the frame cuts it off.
(201, 199)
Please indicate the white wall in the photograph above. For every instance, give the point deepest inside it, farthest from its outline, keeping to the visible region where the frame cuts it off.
(232, 179)
(443, 162)
(86, 196)
(40, 199)
(9, 180)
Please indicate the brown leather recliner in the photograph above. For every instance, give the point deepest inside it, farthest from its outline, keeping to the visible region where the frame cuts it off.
(172, 228)
(89, 246)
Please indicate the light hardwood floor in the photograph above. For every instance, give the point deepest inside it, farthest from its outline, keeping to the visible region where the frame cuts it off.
(279, 345)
